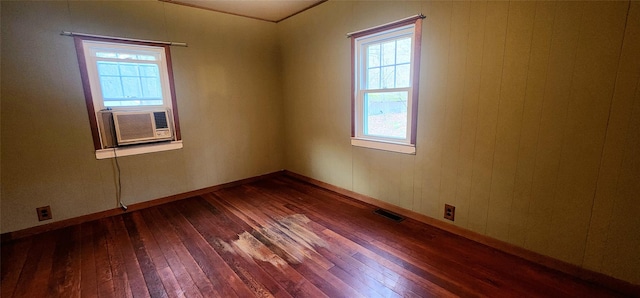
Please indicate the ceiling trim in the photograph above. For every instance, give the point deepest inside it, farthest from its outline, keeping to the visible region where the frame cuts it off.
(242, 15)
(305, 9)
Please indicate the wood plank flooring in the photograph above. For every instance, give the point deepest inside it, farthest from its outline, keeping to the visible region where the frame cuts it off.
(276, 237)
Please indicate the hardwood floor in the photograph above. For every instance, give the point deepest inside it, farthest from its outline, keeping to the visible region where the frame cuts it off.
(272, 238)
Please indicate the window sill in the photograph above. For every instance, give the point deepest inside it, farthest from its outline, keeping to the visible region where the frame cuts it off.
(137, 149)
(386, 146)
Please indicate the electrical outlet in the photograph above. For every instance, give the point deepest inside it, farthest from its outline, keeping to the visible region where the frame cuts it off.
(44, 213)
(449, 212)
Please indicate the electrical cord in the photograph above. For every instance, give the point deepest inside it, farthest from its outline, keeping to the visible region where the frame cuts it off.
(119, 186)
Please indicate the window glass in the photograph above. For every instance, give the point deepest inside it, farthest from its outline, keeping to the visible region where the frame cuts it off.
(403, 75)
(403, 50)
(386, 114)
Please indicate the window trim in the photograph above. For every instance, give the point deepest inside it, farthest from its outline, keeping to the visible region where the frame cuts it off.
(415, 78)
(137, 149)
(86, 82)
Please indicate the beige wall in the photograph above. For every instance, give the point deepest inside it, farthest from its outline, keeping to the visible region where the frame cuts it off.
(228, 96)
(528, 122)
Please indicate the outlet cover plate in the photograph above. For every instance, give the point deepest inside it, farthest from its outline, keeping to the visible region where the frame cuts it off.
(449, 212)
(44, 213)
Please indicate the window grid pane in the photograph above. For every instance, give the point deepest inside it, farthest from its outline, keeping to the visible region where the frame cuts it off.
(128, 69)
(111, 87)
(403, 73)
(388, 64)
(389, 53)
(374, 55)
(388, 77)
(403, 50)
(374, 78)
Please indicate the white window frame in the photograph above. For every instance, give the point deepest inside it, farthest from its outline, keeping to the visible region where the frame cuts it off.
(409, 27)
(86, 48)
(91, 47)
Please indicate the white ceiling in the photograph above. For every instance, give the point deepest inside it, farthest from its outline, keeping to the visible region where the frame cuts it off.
(267, 10)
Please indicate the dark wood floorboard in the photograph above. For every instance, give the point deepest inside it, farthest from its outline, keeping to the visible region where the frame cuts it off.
(276, 237)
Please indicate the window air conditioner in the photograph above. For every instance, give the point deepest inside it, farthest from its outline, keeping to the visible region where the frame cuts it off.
(128, 128)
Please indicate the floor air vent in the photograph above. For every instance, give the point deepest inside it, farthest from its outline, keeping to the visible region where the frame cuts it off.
(388, 214)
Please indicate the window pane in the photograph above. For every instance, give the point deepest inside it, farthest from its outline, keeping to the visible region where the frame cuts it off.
(403, 50)
(149, 70)
(132, 102)
(373, 55)
(157, 102)
(146, 57)
(128, 69)
(115, 55)
(108, 68)
(106, 55)
(388, 77)
(111, 103)
(111, 87)
(151, 88)
(403, 75)
(126, 56)
(389, 53)
(129, 103)
(386, 114)
(131, 87)
(373, 78)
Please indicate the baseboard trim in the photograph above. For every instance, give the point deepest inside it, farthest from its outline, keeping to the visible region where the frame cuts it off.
(618, 285)
(10, 236)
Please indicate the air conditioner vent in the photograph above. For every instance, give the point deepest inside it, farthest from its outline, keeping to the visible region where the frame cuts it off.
(161, 120)
(135, 126)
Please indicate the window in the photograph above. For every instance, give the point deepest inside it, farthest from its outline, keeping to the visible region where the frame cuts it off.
(385, 70)
(123, 75)
(126, 77)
